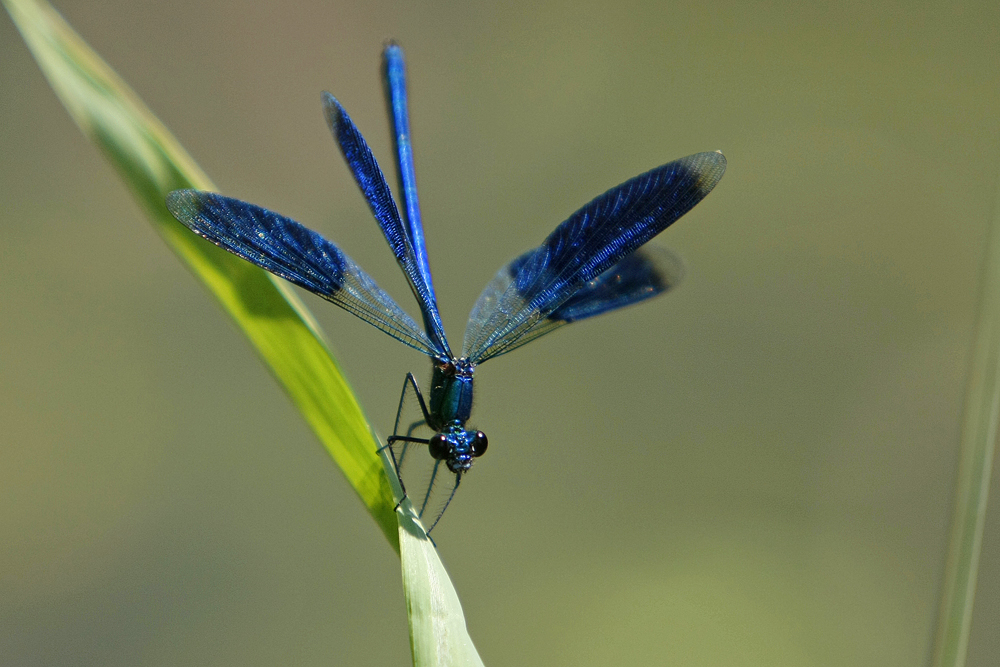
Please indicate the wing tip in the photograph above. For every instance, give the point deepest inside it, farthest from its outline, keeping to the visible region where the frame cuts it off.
(333, 110)
(708, 168)
(180, 201)
(668, 267)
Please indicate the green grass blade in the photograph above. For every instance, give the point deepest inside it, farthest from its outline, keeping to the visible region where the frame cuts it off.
(152, 163)
(438, 635)
(979, 435)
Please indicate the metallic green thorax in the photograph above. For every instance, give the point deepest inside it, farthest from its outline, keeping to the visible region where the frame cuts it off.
(451, 393)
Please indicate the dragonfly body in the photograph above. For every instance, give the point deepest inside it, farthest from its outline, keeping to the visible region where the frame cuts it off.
(594, 262)
(451, 393)
(450, 408)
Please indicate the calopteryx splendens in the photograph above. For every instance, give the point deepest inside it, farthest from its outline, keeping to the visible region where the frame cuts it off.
(592, 263)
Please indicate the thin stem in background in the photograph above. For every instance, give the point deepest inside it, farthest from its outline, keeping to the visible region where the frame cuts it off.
(979, 435)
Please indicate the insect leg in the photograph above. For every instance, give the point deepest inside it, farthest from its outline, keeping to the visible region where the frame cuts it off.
(408, 382)
(393, 439)
(458, 480)
(430, 487)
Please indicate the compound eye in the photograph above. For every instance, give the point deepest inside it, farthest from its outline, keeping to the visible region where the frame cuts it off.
(438, 446)
(479, 443)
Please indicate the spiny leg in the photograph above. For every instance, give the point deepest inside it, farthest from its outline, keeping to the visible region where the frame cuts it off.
(458, 480)
(409, 438)
(408, 381)
(430, 488)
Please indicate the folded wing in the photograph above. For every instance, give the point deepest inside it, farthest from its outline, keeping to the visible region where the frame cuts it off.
(372, 182)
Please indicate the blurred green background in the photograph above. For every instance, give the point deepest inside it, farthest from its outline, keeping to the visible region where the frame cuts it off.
(754, 470)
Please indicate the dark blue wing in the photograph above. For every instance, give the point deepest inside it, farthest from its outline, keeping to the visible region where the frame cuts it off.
(647, 272)
(590, 242)
(299, 255)
(372, 183)
(394, 77)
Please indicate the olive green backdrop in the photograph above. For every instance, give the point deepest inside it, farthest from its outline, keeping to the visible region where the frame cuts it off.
(754, 470)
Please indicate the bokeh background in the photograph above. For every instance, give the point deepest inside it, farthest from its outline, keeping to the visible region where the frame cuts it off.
(754, 470)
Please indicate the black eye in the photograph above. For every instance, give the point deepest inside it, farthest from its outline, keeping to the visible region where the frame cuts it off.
(479, 443)
(438, 446)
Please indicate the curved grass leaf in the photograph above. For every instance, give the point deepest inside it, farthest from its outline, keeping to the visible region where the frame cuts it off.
(438, 635)
(152, 163)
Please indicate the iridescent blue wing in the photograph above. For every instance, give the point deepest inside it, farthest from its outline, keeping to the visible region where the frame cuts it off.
(591, 241)
(376, 191)
(647, 272)
(299, 255)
